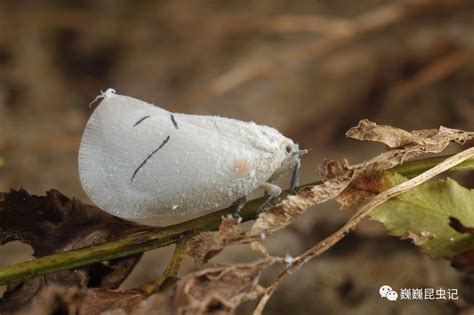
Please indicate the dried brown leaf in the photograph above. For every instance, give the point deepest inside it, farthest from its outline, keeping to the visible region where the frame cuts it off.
(222, 289)
(391, 136)
(98, 301)
(285, 212)
(55, 223)
(57, 300)
(208, 244)
(365, 185)
(72, 300)
(217, 290)
(352, 184)
(18, 294)
(403, 146)
(363, 212)
(431, 140)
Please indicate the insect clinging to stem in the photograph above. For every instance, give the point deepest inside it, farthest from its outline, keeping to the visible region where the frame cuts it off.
(137, 160)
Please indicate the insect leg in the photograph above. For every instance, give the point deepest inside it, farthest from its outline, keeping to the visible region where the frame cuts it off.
(272, 191)
(238, 205)
(295, 176)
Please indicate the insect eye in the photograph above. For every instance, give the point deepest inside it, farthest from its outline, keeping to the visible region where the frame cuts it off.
(288, 149)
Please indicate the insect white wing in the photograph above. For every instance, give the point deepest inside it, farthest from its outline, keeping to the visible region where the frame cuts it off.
(137, 160)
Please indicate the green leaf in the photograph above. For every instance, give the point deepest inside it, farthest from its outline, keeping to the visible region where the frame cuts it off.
(422, 214)
(2, 161)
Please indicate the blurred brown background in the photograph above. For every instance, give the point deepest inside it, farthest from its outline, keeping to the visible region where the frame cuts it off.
(309, 68)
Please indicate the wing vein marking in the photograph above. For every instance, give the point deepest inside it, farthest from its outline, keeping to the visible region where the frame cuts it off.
(175, 124)
(140, 121)
(149, 157)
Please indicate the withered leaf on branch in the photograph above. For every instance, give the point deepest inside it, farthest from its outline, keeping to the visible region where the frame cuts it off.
(365, 185)
(431, 139)
(285, 212)
(391, 136)
(350, 185)
(56, 299)
(55, 223)
(208, 244)
(403, 146)
(218, 290)
(212, 290)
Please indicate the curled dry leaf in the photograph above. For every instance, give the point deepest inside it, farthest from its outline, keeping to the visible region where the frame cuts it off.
(208, 244)
(353, 184)
(223, 288)
(217, 290)
(431, 140)
(98, 301)
(284, 213)
(365, 185)
(350, 185)
(362, 212)
(55, 223)
(391, 136)
(403, 146)
(56, 299)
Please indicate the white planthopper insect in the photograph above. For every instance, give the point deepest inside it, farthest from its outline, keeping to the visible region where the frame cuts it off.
(137, 160)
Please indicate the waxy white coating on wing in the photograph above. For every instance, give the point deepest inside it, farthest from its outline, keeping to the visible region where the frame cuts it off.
(137, 160)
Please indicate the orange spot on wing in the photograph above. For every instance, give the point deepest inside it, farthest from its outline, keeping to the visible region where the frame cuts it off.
(241, 168)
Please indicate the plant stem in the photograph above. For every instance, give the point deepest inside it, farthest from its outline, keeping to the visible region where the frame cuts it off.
(171, 270)
(160, 237)
(413, 168)
(137, 243)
